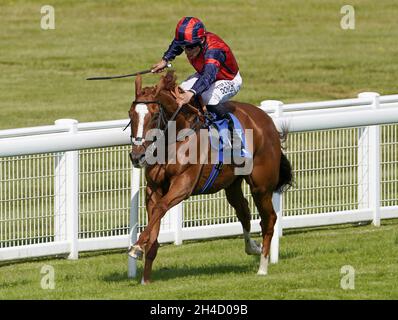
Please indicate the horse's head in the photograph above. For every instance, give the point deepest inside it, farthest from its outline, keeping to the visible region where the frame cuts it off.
(150, 109)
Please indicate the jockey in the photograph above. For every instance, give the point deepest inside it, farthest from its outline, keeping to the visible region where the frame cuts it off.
(217, 77)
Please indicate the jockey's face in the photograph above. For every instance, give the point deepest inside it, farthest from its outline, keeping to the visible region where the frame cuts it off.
(193, 51)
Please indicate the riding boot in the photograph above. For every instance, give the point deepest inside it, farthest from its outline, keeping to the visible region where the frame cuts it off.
(219, 110)
(222, 113)
(236, 140)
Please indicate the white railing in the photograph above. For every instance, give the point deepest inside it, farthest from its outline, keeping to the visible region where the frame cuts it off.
(57, 200)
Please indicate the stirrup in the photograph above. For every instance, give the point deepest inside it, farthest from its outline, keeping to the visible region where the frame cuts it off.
(237, 151)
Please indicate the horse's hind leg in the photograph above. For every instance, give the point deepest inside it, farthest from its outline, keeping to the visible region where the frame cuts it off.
(268, 216)
(237, 200)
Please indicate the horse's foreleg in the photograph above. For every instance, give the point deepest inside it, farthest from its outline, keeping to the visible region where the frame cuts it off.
(151, 249)
(179, 190)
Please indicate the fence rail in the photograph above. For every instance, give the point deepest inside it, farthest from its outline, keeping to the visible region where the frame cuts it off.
(70, 187)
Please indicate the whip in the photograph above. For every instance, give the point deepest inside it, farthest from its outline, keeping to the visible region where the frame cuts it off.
(125, 75)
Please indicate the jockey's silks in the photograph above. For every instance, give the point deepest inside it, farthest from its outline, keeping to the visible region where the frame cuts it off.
(214, 62)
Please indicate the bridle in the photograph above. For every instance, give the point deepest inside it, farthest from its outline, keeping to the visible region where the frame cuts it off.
(162, 120)
(160, 117)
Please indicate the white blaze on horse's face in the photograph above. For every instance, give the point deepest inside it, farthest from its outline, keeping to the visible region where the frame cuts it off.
(142, 110)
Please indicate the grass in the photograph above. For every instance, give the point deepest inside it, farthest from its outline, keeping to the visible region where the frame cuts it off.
(309, 268)
(290, 51)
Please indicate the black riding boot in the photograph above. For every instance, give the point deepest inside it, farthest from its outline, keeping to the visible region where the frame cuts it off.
(222, 112)
(219, 109)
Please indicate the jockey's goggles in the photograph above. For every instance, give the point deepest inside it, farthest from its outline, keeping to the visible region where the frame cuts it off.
(192, 46)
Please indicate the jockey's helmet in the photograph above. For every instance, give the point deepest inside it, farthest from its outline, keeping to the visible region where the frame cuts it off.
(189, 31)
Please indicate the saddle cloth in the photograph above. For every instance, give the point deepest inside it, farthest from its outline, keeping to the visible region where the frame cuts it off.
(224, 142)
(221, 142)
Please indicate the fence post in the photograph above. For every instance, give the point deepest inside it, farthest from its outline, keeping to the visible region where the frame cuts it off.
(369, 156)
(363, 167)
(66, 202)
(176, 214)
(277, 107)
(60, 197)
(274, 251)
(135, 192)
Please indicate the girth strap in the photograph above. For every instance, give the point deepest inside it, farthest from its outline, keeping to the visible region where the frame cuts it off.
(215, 171)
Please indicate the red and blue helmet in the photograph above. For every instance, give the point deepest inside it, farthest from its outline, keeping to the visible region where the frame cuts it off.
(189, 31)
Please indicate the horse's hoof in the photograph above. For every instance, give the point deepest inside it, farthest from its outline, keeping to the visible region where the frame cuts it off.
(262, 273)
(136, 252)
(253, 248)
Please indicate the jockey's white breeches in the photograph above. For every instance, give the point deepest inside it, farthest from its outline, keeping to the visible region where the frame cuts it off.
(219, 92)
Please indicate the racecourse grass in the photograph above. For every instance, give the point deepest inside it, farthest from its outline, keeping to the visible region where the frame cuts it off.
(290, 51)
(309, 268)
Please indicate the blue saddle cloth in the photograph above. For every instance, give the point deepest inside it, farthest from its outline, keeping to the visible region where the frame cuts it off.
(221, 125)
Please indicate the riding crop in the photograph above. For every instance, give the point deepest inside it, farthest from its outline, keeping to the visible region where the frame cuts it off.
(125, 75)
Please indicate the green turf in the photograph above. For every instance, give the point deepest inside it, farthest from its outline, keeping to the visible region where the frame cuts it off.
(309, 268)
(290, 51)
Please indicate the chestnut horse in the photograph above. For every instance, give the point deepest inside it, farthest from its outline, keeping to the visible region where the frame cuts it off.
(170, 183)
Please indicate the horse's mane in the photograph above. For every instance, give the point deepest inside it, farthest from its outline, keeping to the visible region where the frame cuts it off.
(169, 80)
(149, 91)
(167, 83)
(165, 92)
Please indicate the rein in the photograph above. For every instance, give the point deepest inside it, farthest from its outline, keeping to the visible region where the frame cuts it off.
(161, 114)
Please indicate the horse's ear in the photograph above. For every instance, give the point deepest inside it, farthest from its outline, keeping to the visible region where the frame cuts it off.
(138, 86)
(170, 80)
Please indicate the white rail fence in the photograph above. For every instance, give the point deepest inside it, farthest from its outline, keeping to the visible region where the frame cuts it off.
(70, 187)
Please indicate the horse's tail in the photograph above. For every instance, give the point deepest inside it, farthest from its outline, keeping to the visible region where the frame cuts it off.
(285, 169)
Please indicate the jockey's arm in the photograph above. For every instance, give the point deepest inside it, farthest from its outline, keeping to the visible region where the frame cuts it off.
(207, 78)
(213, 60)
(184, 98)
(173, 51)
